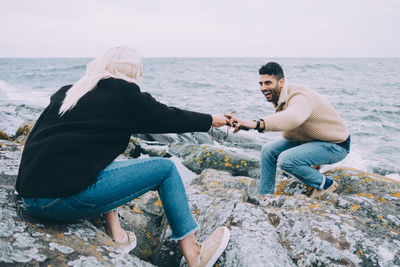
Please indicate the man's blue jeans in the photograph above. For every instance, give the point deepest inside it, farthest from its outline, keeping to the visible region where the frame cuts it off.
(297, 159)
(119, 183)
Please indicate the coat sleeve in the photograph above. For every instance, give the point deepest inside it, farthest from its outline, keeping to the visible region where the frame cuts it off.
(151, 116)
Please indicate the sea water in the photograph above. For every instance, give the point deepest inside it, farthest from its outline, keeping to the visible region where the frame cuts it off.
(365, 91)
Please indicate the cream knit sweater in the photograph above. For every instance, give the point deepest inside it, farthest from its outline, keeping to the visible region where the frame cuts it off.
(304, 115)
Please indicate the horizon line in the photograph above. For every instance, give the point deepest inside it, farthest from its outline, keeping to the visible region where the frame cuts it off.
(216, 57)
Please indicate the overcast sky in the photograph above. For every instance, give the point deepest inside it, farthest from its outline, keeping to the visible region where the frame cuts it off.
(201, 28)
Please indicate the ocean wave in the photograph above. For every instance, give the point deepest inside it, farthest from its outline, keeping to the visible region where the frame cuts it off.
(196, 84)
(385, 171)
(356, 159)
(31, 75)
(50, 70)
(394, 176)
(323, 65)
(395, 84)
(77, 67)
(5, 90)
(370, 118)
(22, 96)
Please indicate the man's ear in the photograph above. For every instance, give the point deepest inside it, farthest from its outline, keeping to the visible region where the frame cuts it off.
(281, 82)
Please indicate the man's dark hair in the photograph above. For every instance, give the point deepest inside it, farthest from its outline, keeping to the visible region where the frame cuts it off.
(272, 68)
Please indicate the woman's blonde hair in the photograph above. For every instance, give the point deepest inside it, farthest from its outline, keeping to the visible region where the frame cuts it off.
(119, 62)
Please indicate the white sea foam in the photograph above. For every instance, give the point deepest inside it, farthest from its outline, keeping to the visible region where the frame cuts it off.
(356, 160)
(5, 90)
(22, 95)
(394, 176)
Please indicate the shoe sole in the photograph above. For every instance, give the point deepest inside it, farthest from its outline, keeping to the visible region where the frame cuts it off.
(221, 248)
(131, 245)
(332, 189)
(335, 187)
(129, 248)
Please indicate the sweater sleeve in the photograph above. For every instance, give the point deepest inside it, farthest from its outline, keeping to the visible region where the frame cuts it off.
(298, 110)
(151, 116)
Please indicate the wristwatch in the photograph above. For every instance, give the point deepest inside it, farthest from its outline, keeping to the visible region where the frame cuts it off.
(260, 130)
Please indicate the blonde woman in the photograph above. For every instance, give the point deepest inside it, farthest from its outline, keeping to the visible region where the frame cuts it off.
(67, 171)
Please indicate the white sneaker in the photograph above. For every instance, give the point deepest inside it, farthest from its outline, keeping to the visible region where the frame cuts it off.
(213, 247)
(320, 193)
(128, 243)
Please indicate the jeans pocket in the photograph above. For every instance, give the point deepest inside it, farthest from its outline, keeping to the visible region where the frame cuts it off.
(79, 204)
(43, 207)
(68, 209)
(49, 206)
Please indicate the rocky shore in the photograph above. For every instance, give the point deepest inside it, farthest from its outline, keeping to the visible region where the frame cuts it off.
(356, 226)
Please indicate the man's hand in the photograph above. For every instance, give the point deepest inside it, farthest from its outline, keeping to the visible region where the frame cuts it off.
(237, 123)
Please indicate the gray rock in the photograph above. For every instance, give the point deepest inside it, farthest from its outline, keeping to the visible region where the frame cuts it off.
(203, 138)
(155, 150)
(24, 241)
(144, 217)
(357, 226)
(236, 139)
(10, 157)
(3, 136)
(133, 149)
(199, 157)
(217, 181)
(162, 138)
(24, 129)
(8, 180)
(138, 147)
(167, 139)
(182, 150)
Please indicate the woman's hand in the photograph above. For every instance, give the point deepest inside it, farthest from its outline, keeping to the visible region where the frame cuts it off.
(220, 119)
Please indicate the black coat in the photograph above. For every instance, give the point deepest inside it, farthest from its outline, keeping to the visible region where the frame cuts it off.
(63, 155)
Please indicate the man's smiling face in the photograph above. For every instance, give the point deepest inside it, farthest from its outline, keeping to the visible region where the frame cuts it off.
(270, 87)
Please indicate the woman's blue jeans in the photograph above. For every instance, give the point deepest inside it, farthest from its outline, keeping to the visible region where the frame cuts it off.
(119, 183)
(297, 159)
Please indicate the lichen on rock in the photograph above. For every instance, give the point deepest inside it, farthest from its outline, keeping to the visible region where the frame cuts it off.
(356, 226)
(295, 230)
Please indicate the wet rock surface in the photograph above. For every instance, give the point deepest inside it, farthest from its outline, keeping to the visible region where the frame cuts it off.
(25, 241)
(199, 157)
(138, 147)
(144, 217)
(24, 129)
(356, 226)
(3, 136)
(10, 157)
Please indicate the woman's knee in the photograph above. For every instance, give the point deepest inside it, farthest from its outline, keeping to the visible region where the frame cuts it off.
(168, 165)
